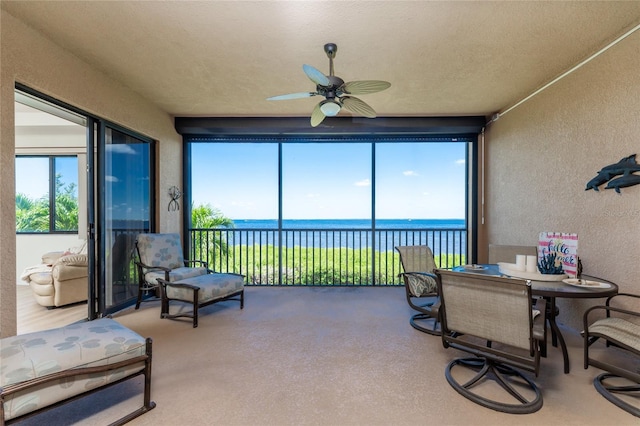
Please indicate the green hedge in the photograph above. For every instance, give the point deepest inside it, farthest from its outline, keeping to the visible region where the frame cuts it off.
(315, 266)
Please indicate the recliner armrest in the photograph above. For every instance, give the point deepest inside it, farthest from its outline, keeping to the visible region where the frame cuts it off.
(73, 260)
(52, 257)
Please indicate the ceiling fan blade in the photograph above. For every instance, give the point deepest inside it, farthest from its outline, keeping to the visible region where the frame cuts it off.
(364, 87)
(298, 95)
(317, 116)
(357, 106)
(315, 75)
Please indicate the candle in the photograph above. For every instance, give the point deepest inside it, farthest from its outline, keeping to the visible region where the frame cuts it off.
(532, 263)
(521, 260)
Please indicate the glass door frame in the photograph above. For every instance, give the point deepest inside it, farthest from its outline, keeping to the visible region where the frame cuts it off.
(101, 219)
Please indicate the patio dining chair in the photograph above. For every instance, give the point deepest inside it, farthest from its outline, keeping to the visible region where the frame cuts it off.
(420, 287)
(160, 256)
(491, 318)
(620, 329)
(507, 254)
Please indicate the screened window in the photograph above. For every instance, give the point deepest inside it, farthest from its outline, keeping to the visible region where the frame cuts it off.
(46, 194)
(322, 181)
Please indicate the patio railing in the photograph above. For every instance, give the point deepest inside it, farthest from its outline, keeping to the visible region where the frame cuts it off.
(339, 256)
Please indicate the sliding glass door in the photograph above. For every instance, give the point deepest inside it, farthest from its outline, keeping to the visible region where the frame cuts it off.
(99, 186)
(124, 211)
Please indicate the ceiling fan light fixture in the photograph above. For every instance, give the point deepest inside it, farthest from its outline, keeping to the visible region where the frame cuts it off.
(330, 108)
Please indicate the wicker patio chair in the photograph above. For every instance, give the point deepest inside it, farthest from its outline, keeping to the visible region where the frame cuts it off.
(620, 328)
(420, 287)
(491, 317)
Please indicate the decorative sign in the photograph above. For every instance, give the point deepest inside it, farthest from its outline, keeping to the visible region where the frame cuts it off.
(563, 246)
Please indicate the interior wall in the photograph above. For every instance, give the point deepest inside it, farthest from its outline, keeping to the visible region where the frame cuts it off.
(29, 58)
(541, 155)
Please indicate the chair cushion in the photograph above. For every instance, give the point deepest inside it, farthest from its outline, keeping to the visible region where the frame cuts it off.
(212, 287)
(73, 260)
(42, 278)
(92, 343)
(160, 250)
(175, 274)
(421, 285)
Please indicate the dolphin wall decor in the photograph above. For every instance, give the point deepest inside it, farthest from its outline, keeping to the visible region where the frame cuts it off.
(625, 167)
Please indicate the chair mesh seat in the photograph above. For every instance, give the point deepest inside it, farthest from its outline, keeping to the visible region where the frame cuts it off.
(618, 329)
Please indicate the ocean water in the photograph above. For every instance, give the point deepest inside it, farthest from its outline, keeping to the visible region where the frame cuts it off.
(350, 223)
(442, 235)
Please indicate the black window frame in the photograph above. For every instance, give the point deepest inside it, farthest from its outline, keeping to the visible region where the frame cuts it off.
(52, 193)
(457, 128)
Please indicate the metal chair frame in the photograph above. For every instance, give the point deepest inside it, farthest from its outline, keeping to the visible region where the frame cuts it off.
(420, 257)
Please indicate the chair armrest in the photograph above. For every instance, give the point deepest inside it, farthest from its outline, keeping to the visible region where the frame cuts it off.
(149, 268)
(143, 269)
(608, 310)
(619, 296)
(72, 260)
(52, 257)
(196, 262)
(539, 322)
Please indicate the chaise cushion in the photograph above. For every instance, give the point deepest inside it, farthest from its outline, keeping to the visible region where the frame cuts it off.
(212, 287)
(177, 274)
(93, 343)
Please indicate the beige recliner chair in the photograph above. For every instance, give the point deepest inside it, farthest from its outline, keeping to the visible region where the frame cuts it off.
(60, 280)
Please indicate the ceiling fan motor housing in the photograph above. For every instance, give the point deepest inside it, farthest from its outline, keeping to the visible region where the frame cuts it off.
(331, 91)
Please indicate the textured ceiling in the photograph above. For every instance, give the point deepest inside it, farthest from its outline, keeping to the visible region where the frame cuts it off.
(224, 58)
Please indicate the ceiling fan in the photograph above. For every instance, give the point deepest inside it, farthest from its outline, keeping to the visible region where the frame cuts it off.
(336, 91)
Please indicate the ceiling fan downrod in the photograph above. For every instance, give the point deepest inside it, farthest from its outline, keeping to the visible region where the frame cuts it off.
(330, 49)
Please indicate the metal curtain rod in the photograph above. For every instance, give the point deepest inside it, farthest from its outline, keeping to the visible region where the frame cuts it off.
(598, 53)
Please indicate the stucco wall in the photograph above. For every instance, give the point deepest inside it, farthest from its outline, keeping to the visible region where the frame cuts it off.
(541, 155)
(29, 58)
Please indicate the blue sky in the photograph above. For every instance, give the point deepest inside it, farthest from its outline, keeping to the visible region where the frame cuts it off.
(32, 174)
(320, 180)
(331, 180)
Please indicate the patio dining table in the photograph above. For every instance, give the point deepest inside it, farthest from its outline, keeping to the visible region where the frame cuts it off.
(550, 290)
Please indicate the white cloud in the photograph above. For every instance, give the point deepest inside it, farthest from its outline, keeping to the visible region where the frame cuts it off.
(110, 178)
(363, 182)
(313, 195)
(461, 161)
(410, 173)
